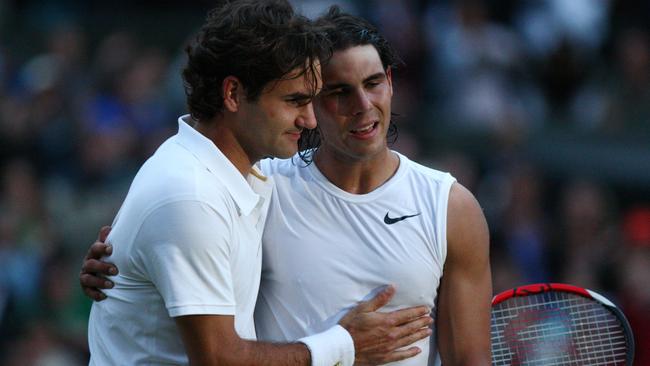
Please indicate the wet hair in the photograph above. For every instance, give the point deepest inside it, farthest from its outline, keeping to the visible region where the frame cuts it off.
(257, 41)
(344, 31)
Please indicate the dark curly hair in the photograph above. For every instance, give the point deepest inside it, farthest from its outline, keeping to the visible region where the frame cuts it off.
(344, 31)
(257, 41)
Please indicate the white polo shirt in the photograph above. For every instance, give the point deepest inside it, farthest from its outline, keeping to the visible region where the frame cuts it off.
(187, 241)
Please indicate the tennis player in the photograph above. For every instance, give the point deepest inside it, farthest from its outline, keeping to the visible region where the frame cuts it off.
(187, 238)
(363, 215)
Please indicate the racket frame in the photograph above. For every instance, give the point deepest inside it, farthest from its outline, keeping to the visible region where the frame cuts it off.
(539, 288)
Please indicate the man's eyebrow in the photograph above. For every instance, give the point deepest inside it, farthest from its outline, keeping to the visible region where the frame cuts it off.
(298, 96)
(335, 86)
(379, 75)
(375, 76)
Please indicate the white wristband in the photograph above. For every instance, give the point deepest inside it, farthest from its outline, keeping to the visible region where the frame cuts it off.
(331, 347)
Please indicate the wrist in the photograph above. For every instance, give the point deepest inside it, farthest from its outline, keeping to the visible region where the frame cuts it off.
(331, 347)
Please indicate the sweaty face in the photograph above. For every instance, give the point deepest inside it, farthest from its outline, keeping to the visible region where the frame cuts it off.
(353, 108)
(272, 124)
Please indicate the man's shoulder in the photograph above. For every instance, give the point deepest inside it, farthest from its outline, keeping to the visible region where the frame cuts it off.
(172, 175)
(424, 173)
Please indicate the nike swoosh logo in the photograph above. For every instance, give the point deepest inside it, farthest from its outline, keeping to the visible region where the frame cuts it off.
(391, 220)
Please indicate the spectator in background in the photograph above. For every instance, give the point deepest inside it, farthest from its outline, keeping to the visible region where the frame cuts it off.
(562, 40)
(26, 242)
(26, 236)
(633, 270)
(525, 227)
(617, 102)
(587, 243)
(475, 60)
(126, 117)
(41, 345)
(629, 99)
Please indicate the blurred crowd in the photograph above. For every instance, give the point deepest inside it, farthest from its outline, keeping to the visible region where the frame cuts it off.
(541, 108)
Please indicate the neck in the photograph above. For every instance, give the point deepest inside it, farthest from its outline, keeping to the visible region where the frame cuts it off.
(225, 139)
(357, 176)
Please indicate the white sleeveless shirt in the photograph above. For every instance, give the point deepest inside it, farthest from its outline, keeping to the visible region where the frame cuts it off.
(325, 249)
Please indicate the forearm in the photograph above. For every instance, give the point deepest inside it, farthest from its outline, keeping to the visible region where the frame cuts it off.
(212, 340)
(331, 347)
(257, 353)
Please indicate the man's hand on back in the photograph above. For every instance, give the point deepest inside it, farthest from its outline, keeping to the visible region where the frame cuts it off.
(93, 270)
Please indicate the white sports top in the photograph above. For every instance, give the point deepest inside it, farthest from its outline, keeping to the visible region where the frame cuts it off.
(187, 241)
(325, 249)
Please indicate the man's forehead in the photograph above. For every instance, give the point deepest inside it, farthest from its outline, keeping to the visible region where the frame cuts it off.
(297, 80)
(352, 60)
(310, 66)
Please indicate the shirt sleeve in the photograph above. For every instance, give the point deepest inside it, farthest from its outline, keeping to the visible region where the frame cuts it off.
(185, 250)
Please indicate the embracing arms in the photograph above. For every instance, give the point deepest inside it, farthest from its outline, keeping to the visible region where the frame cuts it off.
(211, 339)
(376, 338)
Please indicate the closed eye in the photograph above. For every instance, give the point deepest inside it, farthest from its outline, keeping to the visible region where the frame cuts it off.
(375, 80)
(335, 91)
(299, 100)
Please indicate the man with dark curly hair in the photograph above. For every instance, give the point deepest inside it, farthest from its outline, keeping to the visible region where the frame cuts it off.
(187, 239)
(362, 215)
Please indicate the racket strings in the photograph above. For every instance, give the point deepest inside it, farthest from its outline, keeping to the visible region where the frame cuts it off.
(556, 328)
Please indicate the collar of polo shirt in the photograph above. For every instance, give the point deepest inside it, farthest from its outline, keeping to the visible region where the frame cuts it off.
(217, 163)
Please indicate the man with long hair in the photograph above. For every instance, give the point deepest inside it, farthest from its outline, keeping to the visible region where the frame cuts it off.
(362, 215)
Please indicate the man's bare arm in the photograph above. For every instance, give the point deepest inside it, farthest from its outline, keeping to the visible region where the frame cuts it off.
(212, 340)
(463, 314)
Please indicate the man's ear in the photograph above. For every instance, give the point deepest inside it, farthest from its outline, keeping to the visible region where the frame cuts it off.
(232, 91)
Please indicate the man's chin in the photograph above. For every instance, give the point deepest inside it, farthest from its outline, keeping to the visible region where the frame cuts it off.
(286, 153)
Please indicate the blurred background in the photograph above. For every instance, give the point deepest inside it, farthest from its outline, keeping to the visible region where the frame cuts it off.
(541, 108)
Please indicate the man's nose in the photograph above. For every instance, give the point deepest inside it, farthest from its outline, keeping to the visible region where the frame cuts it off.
(360, 103)
(307, 118)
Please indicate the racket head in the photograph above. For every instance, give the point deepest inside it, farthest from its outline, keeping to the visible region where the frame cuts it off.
(558, 324)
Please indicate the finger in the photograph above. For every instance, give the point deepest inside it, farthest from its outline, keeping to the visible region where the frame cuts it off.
(103, 233)
(381, 299)
(410, 338)
(412, 326)
(94, 294)
(403, 316)
(403, 336)
(401, 355)
(97, 267)
(99, 250)
(94, 282)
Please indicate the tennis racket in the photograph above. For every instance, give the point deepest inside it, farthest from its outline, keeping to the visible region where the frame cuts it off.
(558, 324)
